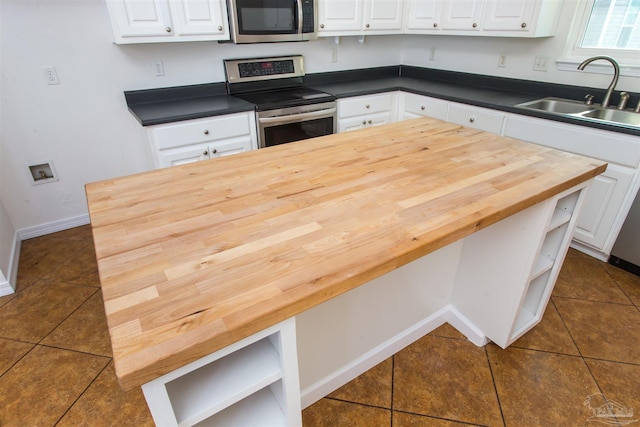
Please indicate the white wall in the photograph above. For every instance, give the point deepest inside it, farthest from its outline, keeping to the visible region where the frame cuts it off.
(84, 128)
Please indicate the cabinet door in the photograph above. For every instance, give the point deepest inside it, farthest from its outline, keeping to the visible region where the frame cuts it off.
(462, 14)
(422, 15)
(140, 18)
(509, 15)
(340, 15)
(227, 148)
(383, 15)
(182, 156)
(200, 17)
(602, 206)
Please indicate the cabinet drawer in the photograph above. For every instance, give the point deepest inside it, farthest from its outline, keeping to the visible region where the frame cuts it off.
(201, 130)
(603, 145)
(365, 104)
(425, 106)
(477, 118)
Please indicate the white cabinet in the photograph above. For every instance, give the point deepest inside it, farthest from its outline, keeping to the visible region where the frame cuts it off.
(153, 21)
(462, 15)
(364, 111)
(194, 140)
(359, 17)
(476, 117)
(252, 382)
(413, 106)
(505, 293)
(612, 192)
(506, 18)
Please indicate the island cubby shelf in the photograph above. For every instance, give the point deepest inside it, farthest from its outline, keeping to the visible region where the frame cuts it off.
(218, 389)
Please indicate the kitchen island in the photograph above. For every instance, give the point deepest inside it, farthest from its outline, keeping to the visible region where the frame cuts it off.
(269, 278)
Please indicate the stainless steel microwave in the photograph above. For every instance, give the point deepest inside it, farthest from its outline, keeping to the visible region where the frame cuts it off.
(264, 21)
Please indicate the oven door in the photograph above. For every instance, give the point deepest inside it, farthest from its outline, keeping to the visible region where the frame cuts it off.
(255, 21)
(277, 127)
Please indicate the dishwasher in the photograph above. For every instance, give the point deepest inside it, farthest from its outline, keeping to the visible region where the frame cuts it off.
(626, 250)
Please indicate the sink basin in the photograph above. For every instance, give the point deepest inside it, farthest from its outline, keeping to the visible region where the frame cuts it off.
(614, 116)
(556, 105)
(596, 113)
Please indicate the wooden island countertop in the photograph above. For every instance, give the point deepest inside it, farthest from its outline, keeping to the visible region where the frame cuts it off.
(194, 258)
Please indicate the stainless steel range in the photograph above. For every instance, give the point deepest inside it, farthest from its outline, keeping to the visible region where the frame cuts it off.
(287, 111)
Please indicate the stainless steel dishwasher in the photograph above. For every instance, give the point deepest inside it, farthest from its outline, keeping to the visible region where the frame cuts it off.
(626, 250)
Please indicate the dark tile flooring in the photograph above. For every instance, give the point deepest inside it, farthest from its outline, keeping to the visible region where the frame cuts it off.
(56, 368)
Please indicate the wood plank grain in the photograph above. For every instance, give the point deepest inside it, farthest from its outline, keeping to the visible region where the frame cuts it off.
(195, 257)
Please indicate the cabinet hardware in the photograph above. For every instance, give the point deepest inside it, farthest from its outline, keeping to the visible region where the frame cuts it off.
(206, 132)
(366, 106)
(214, 151)
(219, 27)
(321, 25)
(475, 25)
(366, 26)
(472, 119)
(364, 122)
(206, 153)
(369, 121)
(422, 107)
(524, 25)
(168, 29)
(435, 25)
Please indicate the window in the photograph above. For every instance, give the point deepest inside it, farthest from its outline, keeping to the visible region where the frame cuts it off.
(613, 24)
(605, 27)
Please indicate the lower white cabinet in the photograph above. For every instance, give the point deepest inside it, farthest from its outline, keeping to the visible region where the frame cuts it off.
(359, 112)
(194, 140)
(252, 382)
(476, 117)
(612, 192)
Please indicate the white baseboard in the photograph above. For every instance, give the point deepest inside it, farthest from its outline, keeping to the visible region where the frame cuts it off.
(53, 227)
(5, 286)
(450, 314)
(589, 251)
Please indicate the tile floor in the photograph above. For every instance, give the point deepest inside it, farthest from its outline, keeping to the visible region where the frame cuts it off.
(55, 359)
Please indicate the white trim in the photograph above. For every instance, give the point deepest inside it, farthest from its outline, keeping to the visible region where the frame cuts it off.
(8, 285)
(5, 286)
(52, 227)
(571, 64)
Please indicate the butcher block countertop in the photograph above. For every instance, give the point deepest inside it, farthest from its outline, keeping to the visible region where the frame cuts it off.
(196, 257)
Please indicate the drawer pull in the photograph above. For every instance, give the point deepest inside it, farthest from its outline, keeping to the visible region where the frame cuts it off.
(369, 121)
(367, 106)
(215, 151)
(435, 25)
(219, 27)
(422, 107)
(364, 122)
(321, 25)
(168, 29)
(475, 25)
(206, 131)
(206, 153)
(472, 119)
(524, 25)
(366, 26)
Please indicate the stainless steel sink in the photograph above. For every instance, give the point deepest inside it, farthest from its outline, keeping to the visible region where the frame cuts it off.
(555, 105)
(596, 113)
(615, 116)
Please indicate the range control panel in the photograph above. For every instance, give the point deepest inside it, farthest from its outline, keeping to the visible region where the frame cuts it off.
(247, 70)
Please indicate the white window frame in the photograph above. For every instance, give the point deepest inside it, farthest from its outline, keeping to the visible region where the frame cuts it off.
(574, 54)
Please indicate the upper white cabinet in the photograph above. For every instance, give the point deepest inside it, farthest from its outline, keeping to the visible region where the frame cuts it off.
(154, 21)
(507, 18)
(359, 17)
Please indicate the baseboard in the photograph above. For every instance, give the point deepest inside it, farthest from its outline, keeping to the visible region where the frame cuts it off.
(53, 227)
(8, 284)
(589, 251)
(5, 286)
(465, 326)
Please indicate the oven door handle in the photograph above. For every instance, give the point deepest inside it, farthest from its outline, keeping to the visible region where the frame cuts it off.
(292, 118)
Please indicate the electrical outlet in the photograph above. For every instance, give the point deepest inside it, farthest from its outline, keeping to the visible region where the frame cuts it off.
(51, 75)
(541, 63)
(334, 55)
(432, 54)
(502, 60)
(158, 68)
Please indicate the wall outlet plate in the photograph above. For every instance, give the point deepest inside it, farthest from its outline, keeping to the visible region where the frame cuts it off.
(541, 63)
(42, 172)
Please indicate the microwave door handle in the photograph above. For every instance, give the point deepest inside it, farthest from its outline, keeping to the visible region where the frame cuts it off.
(293, 118)
(300, 17)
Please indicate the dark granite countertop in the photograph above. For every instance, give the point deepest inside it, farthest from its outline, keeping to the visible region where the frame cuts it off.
(167, 105)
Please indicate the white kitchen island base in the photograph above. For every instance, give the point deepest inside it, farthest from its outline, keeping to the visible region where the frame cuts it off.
(491, 285)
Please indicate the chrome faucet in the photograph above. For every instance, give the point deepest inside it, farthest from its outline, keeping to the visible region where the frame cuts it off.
(616, 74)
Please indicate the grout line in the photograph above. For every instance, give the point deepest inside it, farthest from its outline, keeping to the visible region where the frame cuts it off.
(495, 386)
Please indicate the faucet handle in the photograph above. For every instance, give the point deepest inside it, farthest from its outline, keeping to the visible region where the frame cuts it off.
(624, 98)
(588, 99)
